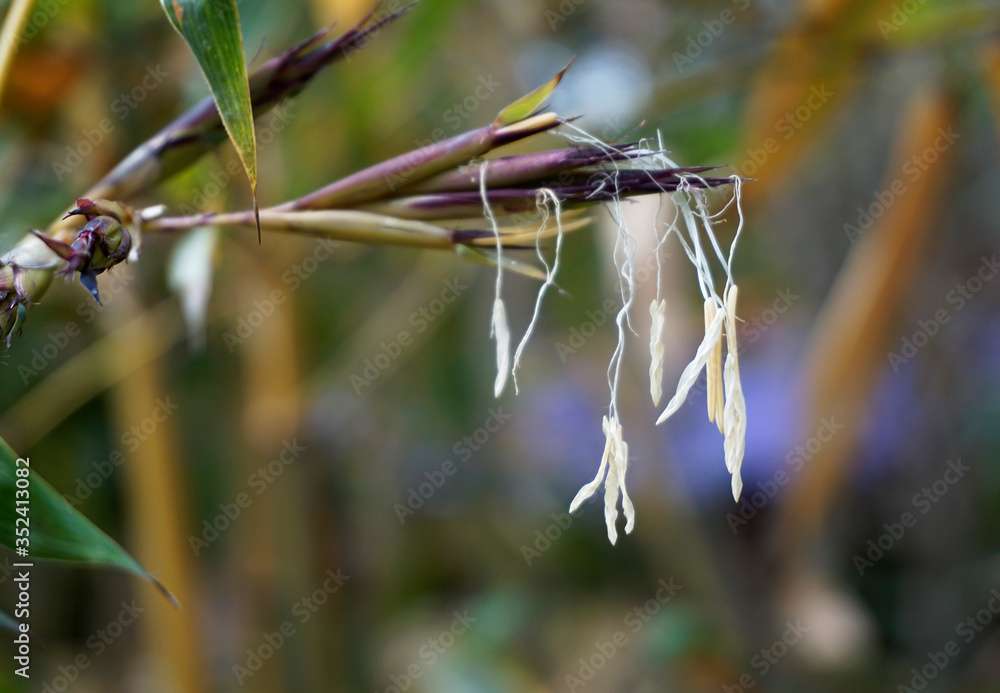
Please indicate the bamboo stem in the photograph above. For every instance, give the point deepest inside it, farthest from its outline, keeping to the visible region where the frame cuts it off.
(342, 225)
(17, 17)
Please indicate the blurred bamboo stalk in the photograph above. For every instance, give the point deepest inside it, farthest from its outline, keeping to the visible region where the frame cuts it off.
(811, 72)
(383, 179)
(378, 204)
(370, 228)
(421, 285)
(158, 512)
(849, 342)
(276, 539)
(10, 36)
(991, 65)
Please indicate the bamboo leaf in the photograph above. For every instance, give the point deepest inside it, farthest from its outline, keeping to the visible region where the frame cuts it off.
(211, 29)
(57, 530)
(489, 257)
(529, 103)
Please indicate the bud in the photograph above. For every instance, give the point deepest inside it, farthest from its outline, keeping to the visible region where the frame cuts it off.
(100, 245)
(121, 213)
(30, 284)
(6, 279)
(18, 289)
(8, 318)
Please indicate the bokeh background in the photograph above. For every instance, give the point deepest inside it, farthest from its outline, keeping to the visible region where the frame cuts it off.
(340, 512)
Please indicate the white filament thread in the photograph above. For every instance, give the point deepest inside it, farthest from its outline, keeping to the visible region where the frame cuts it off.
(499, 328)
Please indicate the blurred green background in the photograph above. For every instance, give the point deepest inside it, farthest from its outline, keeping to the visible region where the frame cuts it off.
(329, 486)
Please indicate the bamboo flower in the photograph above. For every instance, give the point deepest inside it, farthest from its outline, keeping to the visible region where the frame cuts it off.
(615, 462)
(459, 194)
(713, 371)
(724, 390)
(734, 414)
(658, 316)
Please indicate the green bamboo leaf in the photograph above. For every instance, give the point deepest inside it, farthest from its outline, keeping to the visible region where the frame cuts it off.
(529, 103)
(211, 29)
(57, 530)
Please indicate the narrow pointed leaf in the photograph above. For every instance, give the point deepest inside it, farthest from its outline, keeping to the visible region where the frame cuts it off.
(487, 257)
(211, 29)
(57, 530)
(529, 103)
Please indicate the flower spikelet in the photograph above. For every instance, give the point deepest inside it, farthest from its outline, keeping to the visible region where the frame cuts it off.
(615, 461)
(658, 315)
